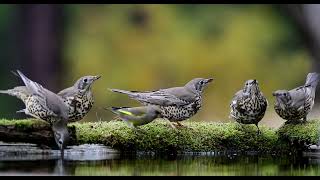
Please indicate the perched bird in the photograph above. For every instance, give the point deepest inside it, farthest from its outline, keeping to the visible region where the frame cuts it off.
(79, 97)
(295, 104)
(136, 116)
(46, 105)
(248, 105)
(175, 104)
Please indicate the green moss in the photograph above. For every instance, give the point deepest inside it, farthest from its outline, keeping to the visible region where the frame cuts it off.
(24, 124)
(299, 136)
(194, 137)
(158, 136)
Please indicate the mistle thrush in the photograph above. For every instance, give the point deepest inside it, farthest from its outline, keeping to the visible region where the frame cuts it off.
(43, 104)
(248, 105)
(175, 104)
(79, 97)
(295, 104)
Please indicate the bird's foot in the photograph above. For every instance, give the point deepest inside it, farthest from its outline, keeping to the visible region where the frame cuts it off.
(179, 125)
(173, 126)
(116, 118)
(259, 132)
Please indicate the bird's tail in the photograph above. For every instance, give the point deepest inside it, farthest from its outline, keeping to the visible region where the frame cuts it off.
(122, 91)
(19, 92)
(312, 79)
(31, 85)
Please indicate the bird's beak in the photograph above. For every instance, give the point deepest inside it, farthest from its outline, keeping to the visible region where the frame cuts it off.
(97, 77)
(274, 94)
(209, 80)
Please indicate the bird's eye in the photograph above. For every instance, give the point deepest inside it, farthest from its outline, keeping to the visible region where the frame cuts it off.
(85, 80)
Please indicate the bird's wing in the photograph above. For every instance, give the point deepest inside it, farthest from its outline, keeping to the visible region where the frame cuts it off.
(45, 97)
(33, 87)
(159, 97)
(182, 93)
(162, 97)
(71, 91)
(236, 98)
(298, 96)
(236, 102)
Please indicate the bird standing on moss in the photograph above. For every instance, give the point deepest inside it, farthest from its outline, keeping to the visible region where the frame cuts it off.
(175, 104)
(136, 116)
(295, 104)
(248, 105)
(79, 97)
(48, 106)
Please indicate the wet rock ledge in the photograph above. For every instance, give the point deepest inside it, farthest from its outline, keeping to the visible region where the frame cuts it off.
(158, 136)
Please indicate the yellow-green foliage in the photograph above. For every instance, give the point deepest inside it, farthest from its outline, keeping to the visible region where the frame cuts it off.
(145, 47)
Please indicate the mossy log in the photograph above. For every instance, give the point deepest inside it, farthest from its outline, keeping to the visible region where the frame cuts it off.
(158, 136)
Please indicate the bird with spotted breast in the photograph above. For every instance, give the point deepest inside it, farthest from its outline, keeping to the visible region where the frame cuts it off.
(136, 116)
(176, 103)
(79, 97)
(43, 104)
(294, 105)
(249, 105)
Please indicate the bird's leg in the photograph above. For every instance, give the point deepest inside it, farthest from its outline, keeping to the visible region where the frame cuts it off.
(98, 119)
(305, 119)
(178, 124)
(258, 132)
(116, 118)
(239, 126)
(170, 123)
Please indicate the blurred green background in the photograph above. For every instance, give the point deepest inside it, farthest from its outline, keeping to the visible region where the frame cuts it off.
(147, 47)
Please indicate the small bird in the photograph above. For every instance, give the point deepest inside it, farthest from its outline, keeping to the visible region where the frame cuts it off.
(136, 116)
(79, 97)
(43, 104)
(248, 105)
(296, 104)
(175, 104)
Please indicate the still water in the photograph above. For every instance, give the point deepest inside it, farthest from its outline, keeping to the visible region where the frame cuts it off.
(99, 160)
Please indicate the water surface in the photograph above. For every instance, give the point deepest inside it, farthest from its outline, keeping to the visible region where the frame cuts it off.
(99, 160)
